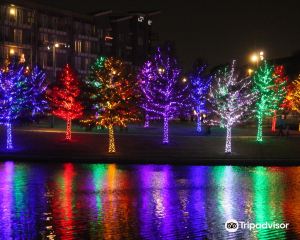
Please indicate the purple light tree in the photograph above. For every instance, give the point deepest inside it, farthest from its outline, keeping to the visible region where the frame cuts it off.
(163, 93)
(145, 77)
(200, 85)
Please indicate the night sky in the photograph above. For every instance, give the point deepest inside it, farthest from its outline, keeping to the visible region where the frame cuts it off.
(216, 31)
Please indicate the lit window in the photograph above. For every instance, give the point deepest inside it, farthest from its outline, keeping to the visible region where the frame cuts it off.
(11, 51)
(22, 58)
(12, 11)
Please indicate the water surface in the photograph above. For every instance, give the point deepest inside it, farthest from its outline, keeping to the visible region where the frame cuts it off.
(108, 201)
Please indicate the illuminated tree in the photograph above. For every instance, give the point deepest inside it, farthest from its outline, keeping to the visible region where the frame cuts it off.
(231, 100)
(294, 96)
(63, 98)
(287, 104)
(113, 94)
(281, 90)
(37, 83)
(269, 97)
(90, 95)
(21, 93)
(200, 85)
(145, 77)
(162, 91)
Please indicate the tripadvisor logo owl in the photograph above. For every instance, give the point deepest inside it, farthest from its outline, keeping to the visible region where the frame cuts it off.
(231, 225)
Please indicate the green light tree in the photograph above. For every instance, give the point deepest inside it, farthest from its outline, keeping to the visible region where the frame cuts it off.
(269, 96)
(90, 96)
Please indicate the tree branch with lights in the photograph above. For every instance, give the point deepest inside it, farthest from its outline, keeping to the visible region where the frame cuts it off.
(22, 93)
(200, 86)
(293, 97)
(270, 94)
(281, 90)
(112, 93)
(231, 99)
(63, 98)
(163, 93)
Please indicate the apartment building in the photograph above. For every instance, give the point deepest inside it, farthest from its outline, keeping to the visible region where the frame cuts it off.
(52, 37)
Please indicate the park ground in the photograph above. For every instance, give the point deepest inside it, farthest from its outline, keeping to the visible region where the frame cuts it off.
(40, 143)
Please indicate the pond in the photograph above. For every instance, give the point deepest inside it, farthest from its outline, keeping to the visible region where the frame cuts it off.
(110, 201)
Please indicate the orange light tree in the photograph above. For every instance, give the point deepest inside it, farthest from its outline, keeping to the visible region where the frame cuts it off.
(281, 89)
(287, 104)
(63, 98)
(294, 95)
(113, 92)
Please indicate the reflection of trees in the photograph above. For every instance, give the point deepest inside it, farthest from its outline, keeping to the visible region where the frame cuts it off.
(267, 200)
(6, 199)
(292, 198)
(63, 203)
(197, 200)
(118, 211)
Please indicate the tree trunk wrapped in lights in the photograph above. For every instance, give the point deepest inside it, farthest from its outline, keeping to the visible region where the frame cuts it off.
(231, 100)
(163, 92)
(111, 96)
(111, 139)
(69, 129)
(270, 94)
(8, 136)
(64, 99)
(147, 121)
(200, 85)
(22, 92)
(281, 89)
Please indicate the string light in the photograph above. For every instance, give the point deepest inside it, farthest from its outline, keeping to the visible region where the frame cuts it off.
(9, 145)
(21, 92)
(64, 99)
(231, 100)
(163, 92)
(293, 97)
(200, 85)
(38, 103)
(147, 71)
(269, 97)
(281, 90)
(147, 121)
(111, 96)
(111, 148)
(13, 86)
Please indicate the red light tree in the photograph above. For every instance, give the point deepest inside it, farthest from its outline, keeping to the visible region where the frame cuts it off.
(63, 98)
(281, 90)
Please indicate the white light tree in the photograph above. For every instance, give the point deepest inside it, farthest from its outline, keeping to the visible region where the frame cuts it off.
(232, 99)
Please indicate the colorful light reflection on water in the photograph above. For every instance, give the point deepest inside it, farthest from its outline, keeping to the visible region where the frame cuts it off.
(108, 201)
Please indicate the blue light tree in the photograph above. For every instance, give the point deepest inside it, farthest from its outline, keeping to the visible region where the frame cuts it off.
(21, 92)
(37, 89)
(200, 85)
(163, 93)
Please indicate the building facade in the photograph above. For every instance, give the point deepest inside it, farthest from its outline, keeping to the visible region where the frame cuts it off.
(51, 37)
